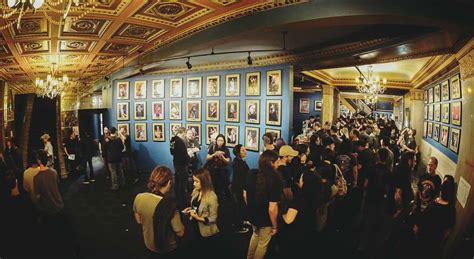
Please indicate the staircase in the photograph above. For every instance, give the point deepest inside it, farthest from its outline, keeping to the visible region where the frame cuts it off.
(363, 107)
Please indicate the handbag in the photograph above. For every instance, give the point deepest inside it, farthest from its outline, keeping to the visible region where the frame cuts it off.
(340, 182)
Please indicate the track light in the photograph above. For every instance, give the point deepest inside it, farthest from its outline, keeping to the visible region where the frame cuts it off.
(189, 64)
(249, 60)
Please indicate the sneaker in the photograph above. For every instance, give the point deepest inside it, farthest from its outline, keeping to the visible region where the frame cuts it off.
(92, 180)
(242, 230)
(85, 182)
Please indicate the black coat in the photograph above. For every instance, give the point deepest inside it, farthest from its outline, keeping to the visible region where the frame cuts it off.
(114, 149)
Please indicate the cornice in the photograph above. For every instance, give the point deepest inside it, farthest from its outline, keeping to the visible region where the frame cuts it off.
(438, 64)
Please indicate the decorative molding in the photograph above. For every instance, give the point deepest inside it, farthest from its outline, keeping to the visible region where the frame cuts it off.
(466, 65)
(416, 94)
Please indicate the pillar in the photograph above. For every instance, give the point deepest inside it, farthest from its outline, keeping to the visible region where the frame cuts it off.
(2, 114)
(328, 104)
(416, 113)
(337, 100)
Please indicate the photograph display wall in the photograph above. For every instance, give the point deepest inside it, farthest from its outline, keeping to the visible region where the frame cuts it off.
(443, 115)
(241, 104)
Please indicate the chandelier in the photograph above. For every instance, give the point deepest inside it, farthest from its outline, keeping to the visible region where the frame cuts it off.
(53, 85)
(370, 85)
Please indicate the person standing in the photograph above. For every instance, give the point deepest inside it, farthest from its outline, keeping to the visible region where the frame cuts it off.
(48, 148)
(14, 161)
(129, 166)
(114, 149)
(48, 201)
(193, 148)
(428, 185)
(86, 145)
(240, 171)
(30, 174)
(70, 145)
(103, 151)
(181, 162)
(218, 157)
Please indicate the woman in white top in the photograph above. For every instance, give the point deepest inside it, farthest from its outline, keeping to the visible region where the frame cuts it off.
(49, 149)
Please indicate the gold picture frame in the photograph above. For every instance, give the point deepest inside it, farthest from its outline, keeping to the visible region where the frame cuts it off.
(252, 84)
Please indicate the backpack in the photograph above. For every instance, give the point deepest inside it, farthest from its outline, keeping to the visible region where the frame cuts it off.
(340, 182)
(344, 163)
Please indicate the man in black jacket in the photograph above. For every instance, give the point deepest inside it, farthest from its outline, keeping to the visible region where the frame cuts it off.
(181, 162)
(114, 149)
(86, 145)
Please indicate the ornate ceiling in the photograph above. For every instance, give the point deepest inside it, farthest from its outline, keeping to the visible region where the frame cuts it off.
(111, 34)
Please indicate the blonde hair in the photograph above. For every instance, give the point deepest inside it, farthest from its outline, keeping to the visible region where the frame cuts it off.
(206, 185)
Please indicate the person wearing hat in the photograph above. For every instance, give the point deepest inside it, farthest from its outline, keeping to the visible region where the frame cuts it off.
(286, 154)
(48, 148)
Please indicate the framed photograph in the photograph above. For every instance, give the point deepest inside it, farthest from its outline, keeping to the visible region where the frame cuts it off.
(430, 129)
(123, 90)
(252, 111)
(196, 129)
(444, 135)
(212, 130)
(124, 127)
(158, 132)
(304, 105)
(213, 86)
(193, 110)
(140, 111)
(232, 110)
(140, 131)
(158, 110)
(122, 112)
(176, 88)
(318, 105)
(425, 109)
(436, 128)
(445, 113)
(437, 112)
(430, 95)
(252, 137)
(276, 132)
(212, 110)
(425, 128)
(456, 113)
(193, 87)
(232, 85)
(140, 90)
(274, 82)
(175, 110)
(455, 83)
(252, 84)
(454, 139)
(231, 135)
(174, 129)
(273, 116)
(437, 93)
(430, 112)
(425, 96)
(445, 91)
(158, 88)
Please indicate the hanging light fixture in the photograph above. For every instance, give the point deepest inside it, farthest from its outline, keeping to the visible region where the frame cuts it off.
(370, 85)
(53, 85)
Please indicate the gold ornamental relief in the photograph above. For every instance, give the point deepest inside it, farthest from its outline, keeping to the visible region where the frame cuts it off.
(466, 65)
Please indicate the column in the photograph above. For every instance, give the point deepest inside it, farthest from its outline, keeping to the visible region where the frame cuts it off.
(416, 113)
(337, 100)
(328, 104)
(2, 118)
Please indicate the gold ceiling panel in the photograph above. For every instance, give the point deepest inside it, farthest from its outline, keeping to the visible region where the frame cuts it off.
(138, 32)
(85, 27)
(119, 49)
(75, 59)
(38, 59)
(37, 27)
(224, 2)
(76, 45)
(111, 7)
(4, 51)
(33, 47)
(8, 62)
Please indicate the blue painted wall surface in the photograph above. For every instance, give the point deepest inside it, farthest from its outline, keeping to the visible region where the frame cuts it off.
(298, 117)
(149, 154)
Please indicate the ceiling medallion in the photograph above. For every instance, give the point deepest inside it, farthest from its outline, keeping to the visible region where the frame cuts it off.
(137, 32)
(30, 26)
(84, 26)
(170, 9)
(33, 46)
(75, 44)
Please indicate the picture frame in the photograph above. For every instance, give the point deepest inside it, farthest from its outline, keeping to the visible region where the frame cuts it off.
(456, 89)
(430, 95)
(437, 93)
(212, 110)
(425, 109)
(274, 82)
(252, 84)
(193, 87)
(425, 128)
(158, 110)
(158, 132)
(140, 133)
(430, 129)
(123, 90)
(456, 113)
(175, 110)
(454, 139)
(445, 90)
(430, 112)
(158, 88)
(232, 110)
(436, 129)
(212, 130)
(232, 85)
(274, 111)
(252, 111)
(125, 127)
(318, 105)
(123, 111)
(196, 129)
(139, 111)
(444, 135)
(425, 96)
(445, 112)
(193, 110)
(231, 133)
(176, 88)
(139, 89)
(304, 105)
(174, 129)
(437, 112)
(213, 86)
(276, 132)
(252, 138)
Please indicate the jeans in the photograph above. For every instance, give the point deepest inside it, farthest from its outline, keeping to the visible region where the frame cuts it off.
(129, 167)
(181, 179)
(116, 175)
(259, 242)
(88, 176)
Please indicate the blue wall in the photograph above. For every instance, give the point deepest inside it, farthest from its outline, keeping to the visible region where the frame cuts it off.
(298, 117)
(149, 154)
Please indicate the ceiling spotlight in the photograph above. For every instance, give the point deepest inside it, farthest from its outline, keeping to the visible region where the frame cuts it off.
(188, 64)
(249, 60)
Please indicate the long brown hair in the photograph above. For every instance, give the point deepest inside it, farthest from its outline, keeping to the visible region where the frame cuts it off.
(159, 178)
(264, 175)
(206, 184)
